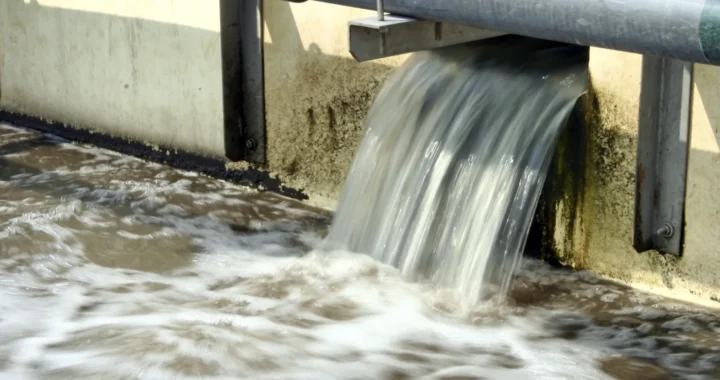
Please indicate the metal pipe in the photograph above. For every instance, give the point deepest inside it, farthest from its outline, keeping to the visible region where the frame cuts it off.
(380, 10)
(688, 30)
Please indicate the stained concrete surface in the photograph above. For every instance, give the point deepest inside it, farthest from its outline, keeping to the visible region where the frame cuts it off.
(317, 95)
(597, 235)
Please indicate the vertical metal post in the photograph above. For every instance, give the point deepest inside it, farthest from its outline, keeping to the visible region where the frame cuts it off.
(662, 154)
(242, 76)
(380, 10)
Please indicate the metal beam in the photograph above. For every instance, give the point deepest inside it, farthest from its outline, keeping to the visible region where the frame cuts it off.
(662, 154)
(243, 85)
(371, 38)
(684, 29)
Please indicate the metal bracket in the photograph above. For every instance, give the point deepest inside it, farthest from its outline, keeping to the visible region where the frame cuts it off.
(372, 38)
(662, 154)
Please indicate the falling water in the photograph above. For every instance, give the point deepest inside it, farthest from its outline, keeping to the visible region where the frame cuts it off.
(116, 268)
(457, 146)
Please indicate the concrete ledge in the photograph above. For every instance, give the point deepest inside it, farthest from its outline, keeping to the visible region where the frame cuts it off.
(215, 167)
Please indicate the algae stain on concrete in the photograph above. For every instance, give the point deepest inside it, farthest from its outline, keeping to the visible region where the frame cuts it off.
(588, 205)
(560, 213)
(611, 190)
(587, 210)
(316, 122)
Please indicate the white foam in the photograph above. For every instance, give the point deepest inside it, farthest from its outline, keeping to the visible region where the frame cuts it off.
(255, 304)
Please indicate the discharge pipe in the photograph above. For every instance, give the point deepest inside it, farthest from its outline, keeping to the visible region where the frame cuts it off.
(688, 30)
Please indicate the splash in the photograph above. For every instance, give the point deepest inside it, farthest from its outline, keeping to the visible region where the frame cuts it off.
(115, 268)
(457, 146)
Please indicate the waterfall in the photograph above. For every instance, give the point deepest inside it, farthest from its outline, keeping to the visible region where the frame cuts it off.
(457, 146)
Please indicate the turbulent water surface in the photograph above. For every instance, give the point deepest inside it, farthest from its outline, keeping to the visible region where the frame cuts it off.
(113, 268)
(457, 146)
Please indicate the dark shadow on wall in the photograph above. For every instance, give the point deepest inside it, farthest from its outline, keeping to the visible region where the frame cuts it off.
(564, 183)
(282, 27)
(144, 68)
(707, 79)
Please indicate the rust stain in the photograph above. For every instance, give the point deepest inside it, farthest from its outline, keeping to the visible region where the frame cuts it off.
(640, 176)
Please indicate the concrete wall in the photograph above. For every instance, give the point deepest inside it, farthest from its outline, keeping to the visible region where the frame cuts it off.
(151, 71)
(143, 69)
(593, 228)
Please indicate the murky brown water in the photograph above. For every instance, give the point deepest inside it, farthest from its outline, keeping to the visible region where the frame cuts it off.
(114, 268)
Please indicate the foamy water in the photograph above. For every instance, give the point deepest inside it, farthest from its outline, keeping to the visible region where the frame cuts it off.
(113, 268)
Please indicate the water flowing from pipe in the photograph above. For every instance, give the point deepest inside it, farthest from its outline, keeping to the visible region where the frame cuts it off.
(456, 149)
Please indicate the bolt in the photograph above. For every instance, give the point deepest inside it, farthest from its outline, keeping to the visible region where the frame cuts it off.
(666, 231)
(250, 144)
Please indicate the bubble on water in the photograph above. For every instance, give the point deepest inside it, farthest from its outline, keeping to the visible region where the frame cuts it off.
(609, 297)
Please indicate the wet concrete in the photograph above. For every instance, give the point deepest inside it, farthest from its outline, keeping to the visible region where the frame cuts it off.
(216, 167)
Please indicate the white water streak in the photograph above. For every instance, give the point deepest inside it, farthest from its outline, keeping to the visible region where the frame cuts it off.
(457, 147)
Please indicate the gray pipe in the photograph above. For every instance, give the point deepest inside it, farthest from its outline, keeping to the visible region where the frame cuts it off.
(684, 29)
